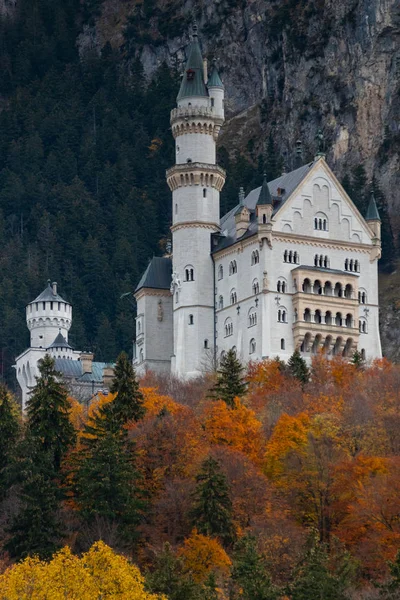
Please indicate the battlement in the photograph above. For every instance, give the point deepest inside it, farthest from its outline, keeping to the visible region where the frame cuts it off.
(203, 174)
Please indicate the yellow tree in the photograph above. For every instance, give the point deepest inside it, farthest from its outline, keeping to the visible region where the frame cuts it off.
(98, 574)
(203, 555)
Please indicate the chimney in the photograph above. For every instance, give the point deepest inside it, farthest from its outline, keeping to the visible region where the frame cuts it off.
(108, 375)
(205, 71)
(54, 286)
(86, 359)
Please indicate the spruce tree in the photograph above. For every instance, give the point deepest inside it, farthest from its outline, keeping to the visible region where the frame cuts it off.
(230, 381)
(9, 434)
(105, 485)
(313, 578)
(250, 572)
(297, 367)
(357, 360)
(48, 413)
(36, 529)
(127, 404)
(212, 512)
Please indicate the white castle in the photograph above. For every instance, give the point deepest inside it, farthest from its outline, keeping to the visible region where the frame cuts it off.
(49, 319)
(294, 265)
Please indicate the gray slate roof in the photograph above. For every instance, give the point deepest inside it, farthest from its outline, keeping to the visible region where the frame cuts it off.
(326, 270)
(287, 182)
(265, 195)
(73, 370)
(372, 212)
(194, 86)
(60, 342)
(158, 274)
(214, 80)
(47, 295)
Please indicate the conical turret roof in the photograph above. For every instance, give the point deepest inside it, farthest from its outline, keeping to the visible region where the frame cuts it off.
(48, 294)
(372, 212)
(265, 195)
(193, 78)
(60, 342)
(214, 80)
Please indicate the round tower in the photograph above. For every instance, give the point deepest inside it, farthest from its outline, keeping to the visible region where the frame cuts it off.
(196, 182)
(48, 316)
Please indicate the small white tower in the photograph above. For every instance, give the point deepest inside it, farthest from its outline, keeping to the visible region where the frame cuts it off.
(47, 316)
(195, 182)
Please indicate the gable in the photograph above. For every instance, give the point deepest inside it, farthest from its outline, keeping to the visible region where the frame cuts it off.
(319, 207)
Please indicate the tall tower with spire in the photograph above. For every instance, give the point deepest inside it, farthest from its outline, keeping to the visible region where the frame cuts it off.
(196, 182)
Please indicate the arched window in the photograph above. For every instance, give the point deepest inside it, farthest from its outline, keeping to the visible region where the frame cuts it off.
(321, 222)
(328, 317)
(338, 291)
(282, 315)
(191, 320)
(307, 286)
(326, 262)
(349, 320)
(255, 257)
(228, 326)
(189, 273)
(220, 272)
(264, 219)
(204, 193)
(316, 260)
(346, 264)
(256, 287)
(176, 209)
(282, 344)
(205, 344)
(363, 326)
(318, 316)
(252, 346)
(281, 286)
(317, 287)
(362, 296)
(252, 317)
(315, 223)
(221, 302)
(338, 319)
(232, 267)
(285, 256)
(307, 315)
(233, 297)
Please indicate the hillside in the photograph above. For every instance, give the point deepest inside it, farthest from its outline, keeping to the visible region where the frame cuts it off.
(85, 95)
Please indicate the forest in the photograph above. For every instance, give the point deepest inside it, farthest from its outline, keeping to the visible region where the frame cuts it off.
(272, 482)
(84, 144)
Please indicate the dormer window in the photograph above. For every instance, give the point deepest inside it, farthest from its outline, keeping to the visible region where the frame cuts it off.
(190, 74)
(280, 191)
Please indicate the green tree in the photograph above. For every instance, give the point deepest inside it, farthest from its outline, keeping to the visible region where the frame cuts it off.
(357, 360)
(391, 589)
(9, 434)
(105, 485)
(212, 512)
(168, 577)
(250, 572)
(48, 412)
(314, 579)
(297, 367)
(36, 529)
(127, 404)
(230, 380)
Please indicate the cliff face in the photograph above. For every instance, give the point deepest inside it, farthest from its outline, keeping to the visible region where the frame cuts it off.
(291, 66)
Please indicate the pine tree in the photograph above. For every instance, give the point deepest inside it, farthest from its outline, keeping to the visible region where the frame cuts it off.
(297, 367)
(36, 529)
(169, 578)
(391, 590)
(48, 413)
(313, 578)
(357, 360)
(9, 434)
(250, 572)
(230, 381)
(127, 404)
(212, 512)
(105, 485)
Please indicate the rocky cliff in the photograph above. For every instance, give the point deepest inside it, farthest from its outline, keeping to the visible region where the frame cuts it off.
(290, 67)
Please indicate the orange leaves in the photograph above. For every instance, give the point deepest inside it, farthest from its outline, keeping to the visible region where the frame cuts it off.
(154, 403)
(203, 555)
(238, 428)
(290, 435)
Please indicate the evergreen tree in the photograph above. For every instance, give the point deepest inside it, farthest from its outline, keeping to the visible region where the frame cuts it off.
(127, 404)
(169, 578)
(297, 367)
(48, 413)
(357, 360)
(391, 590)
(36, 529)
(250, 572)
(212, 512)
(230, 381)
(9, 434)
(313, 578)
(105, 485)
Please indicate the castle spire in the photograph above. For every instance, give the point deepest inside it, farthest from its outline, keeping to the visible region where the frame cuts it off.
(372, 211)
(265, 195)
(193, 83)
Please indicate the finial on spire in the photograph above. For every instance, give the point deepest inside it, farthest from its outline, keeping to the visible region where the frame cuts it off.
(195, 28)
(299, 153)
(320, 144)
(241, 196)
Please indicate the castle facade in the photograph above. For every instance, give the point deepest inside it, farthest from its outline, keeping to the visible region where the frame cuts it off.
(293, 265)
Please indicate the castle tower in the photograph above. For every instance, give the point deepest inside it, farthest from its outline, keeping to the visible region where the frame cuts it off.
(48, 316)
(195, 181)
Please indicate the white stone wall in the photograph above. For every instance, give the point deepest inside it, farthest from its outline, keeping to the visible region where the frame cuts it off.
(195, 147)
(154, 332)
(189, 204)
(27, 370)
(46, 319)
